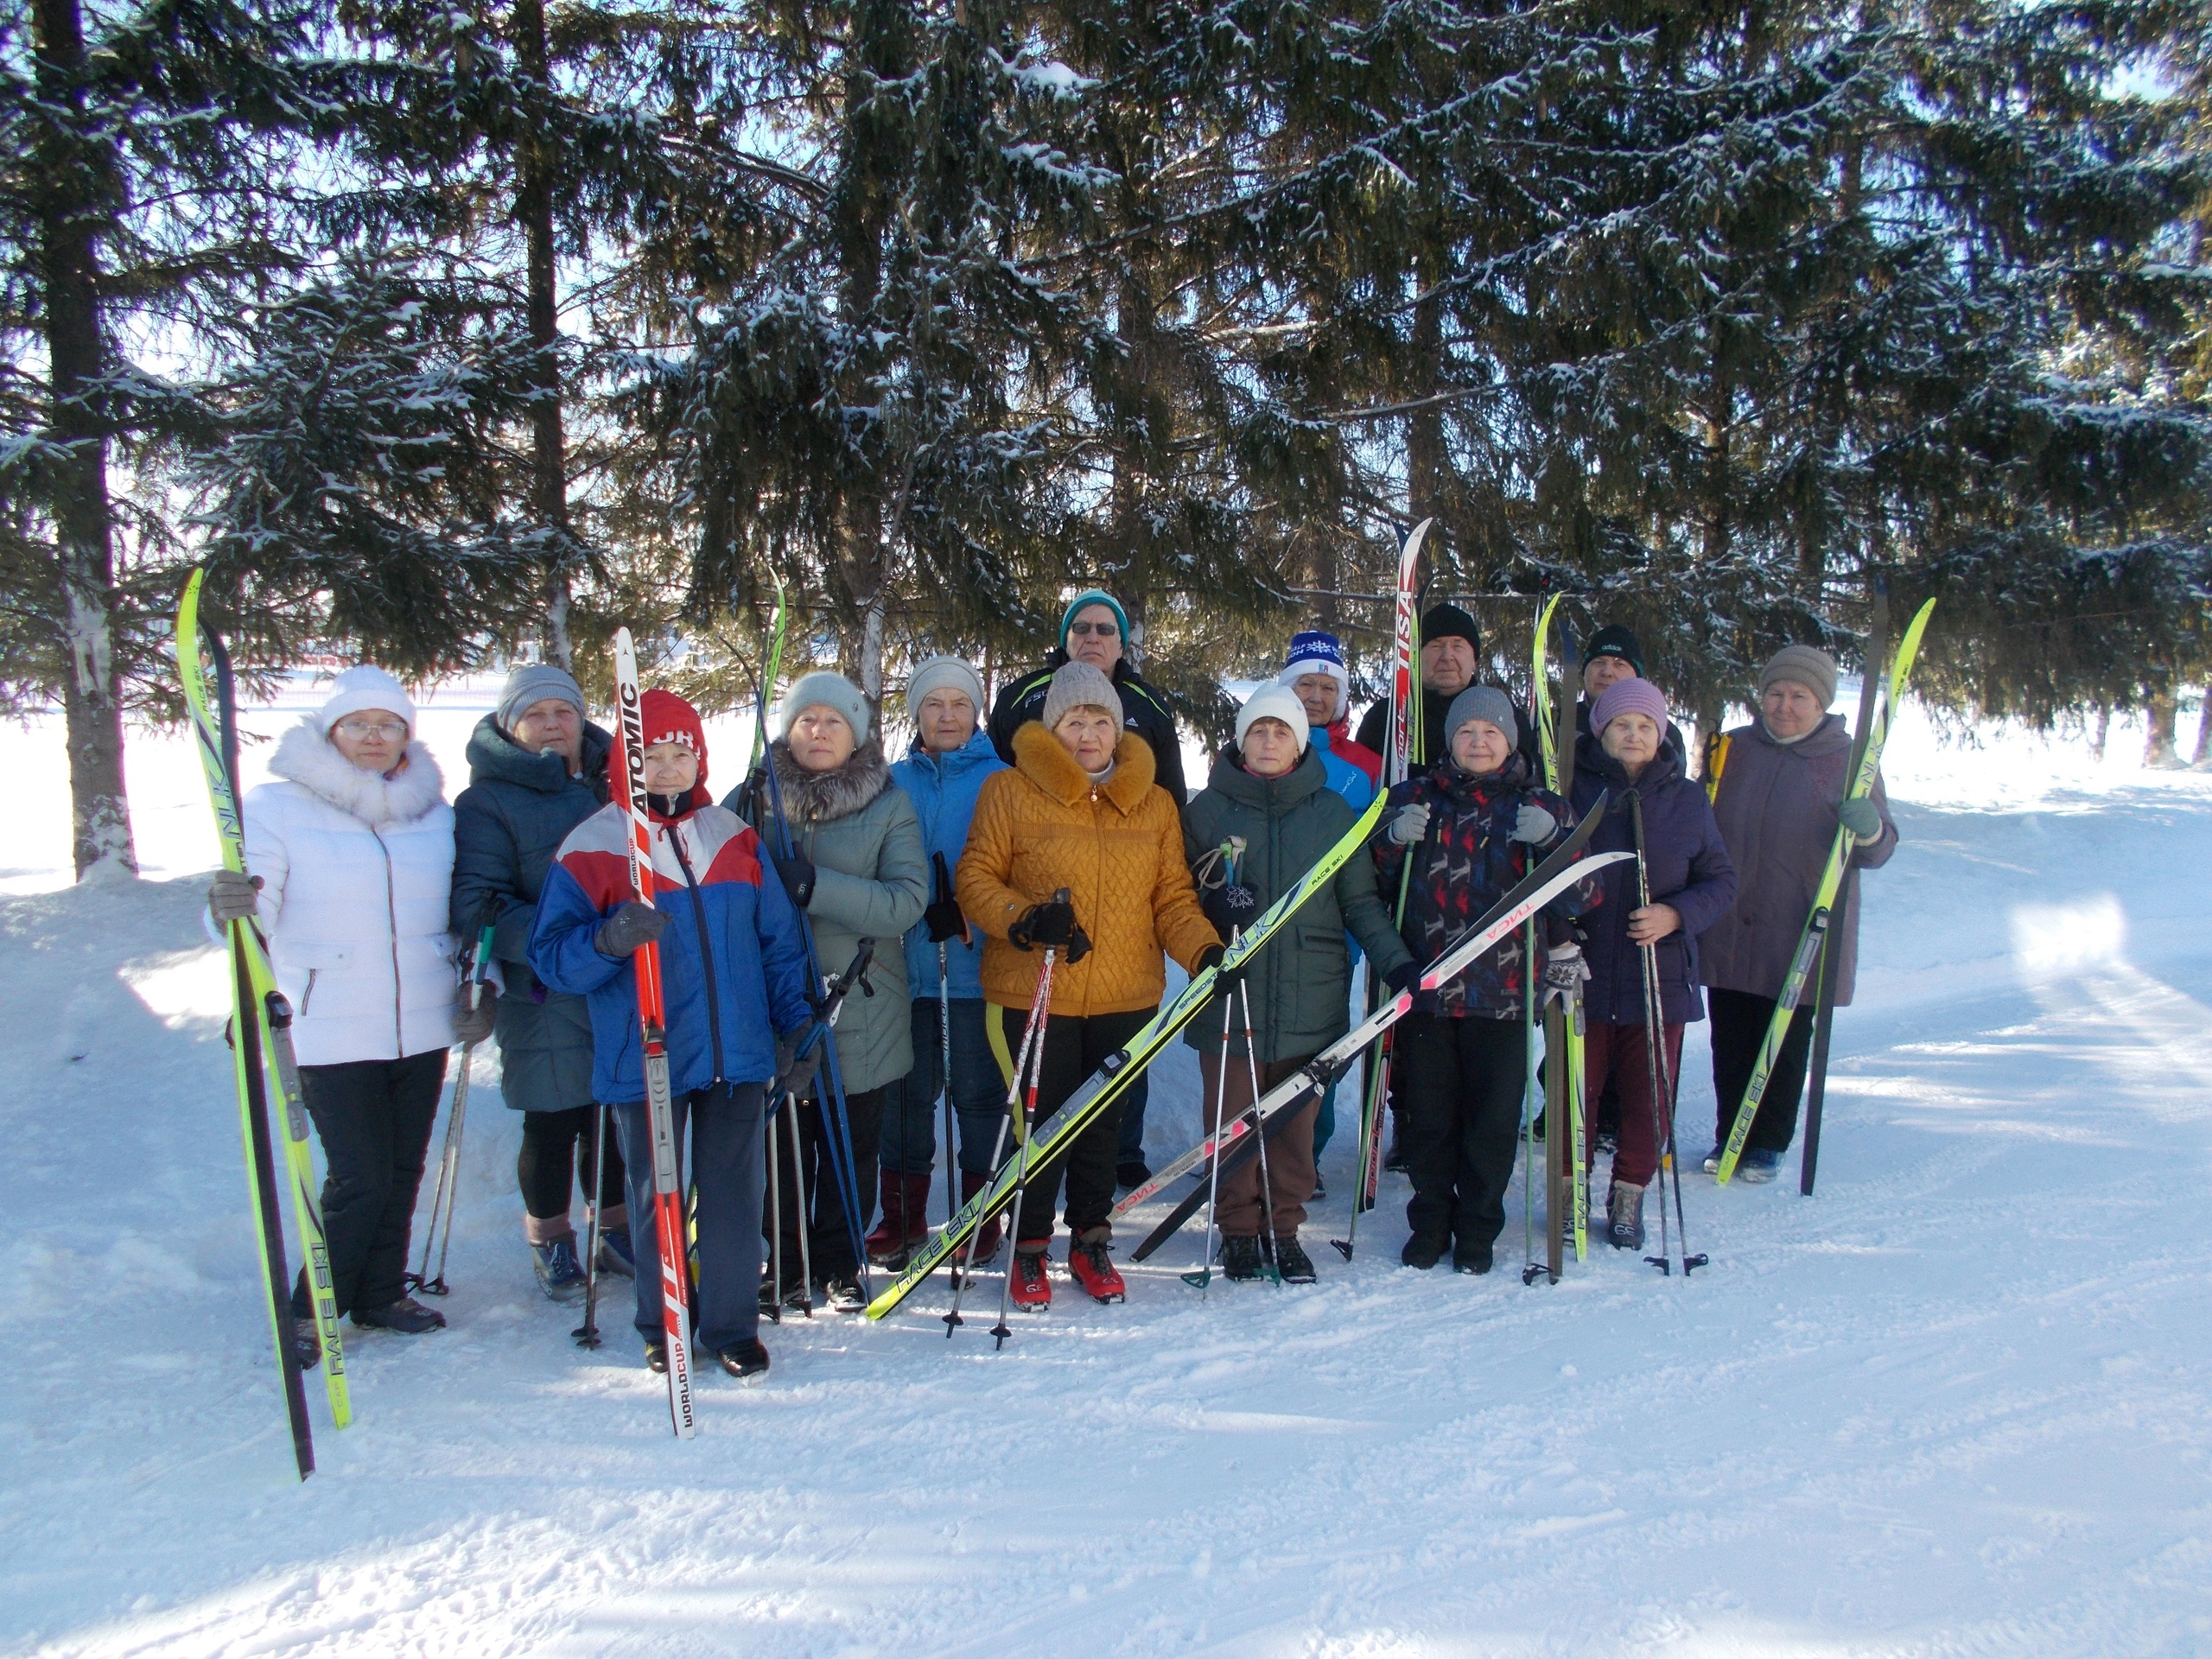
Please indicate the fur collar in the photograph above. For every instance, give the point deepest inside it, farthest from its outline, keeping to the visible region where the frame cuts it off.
(825, 797)
(304, 756)
(1039, 756)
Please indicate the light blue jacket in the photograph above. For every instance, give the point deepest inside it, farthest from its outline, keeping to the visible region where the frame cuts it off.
(1344, 777)
(942, 788)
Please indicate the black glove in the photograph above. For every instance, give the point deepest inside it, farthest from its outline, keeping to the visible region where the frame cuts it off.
(474, 1024)
(797, 871)
(1079, 946)
(629, 927)
(794, 1075)
(1230, 907)
(1225, 979)
(1049, 924)
(944, 921)
(1406, 976)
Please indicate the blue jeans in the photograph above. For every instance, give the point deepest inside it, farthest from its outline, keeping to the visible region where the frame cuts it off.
(726, 1166)
(978, 1093)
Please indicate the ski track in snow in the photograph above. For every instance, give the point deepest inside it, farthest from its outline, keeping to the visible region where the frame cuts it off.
(1954, 1405)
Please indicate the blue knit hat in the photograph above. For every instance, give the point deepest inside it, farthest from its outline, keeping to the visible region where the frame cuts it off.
(1094, 596)
(1316, 652)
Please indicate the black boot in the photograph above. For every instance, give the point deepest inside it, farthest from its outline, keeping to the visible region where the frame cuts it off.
(1239, 1257)
(746, 1361)
(1422, 1251)
(407, 1316)
(1471, 1258)
(307, 1342)
(1292, 1262)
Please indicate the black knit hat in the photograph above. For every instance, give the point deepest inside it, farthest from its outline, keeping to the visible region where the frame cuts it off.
(1614, 640)
(1439, 621)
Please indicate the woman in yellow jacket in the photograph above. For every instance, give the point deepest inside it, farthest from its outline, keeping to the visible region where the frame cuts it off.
(1080, 811)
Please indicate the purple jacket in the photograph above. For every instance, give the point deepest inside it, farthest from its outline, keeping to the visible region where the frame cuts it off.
(1776, 810)
(1689, 869)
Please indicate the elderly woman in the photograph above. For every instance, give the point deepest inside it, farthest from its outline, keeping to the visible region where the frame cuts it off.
(349, 856)
(1691, 882)
(1080, 811)
(858, 872)
(1779, 786)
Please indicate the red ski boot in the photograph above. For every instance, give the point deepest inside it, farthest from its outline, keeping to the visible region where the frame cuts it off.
(1033, 1284)
(906, 1201)
(1093, 1268)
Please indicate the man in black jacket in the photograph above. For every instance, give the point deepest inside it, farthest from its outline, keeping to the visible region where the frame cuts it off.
(1093, 629)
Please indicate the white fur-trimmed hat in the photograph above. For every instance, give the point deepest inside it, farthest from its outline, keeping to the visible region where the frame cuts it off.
(1272, 702)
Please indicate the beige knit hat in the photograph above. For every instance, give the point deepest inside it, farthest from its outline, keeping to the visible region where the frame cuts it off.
(1809, 665)
(1079, 685)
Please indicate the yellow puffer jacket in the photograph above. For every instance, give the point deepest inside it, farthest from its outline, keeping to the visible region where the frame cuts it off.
(1117, 848)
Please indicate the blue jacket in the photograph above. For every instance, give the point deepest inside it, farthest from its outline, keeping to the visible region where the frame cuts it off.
(1344, 777)
(732, 961)
(1689, 869)
(944, 789)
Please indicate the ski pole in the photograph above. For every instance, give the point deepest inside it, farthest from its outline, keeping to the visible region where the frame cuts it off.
(944, 1066)
(1204, 1277)
(775, 1221)
(1663, 1077)
(1001, 1331)
(1532, 1102)
(587, 1334)
(447, 1195)
(803, 1227)
(1273, 1267)
(963, 1272)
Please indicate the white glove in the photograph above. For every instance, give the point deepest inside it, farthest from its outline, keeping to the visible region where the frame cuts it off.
(1564, 970)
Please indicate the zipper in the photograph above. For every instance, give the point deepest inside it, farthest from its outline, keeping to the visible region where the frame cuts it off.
(392, 916)
(308, 995)
(706, 949)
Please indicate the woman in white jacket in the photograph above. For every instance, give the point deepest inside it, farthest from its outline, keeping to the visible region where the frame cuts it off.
(350, 856)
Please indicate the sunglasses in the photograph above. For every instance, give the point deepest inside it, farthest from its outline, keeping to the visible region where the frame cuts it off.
(1103, 630)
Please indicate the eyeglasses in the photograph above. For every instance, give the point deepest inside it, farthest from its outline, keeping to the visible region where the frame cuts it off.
(359, 730)
(1103, 630)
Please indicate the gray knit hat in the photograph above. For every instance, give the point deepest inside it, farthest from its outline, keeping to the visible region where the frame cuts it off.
(826, 690)
(529, 682)
(1481, 703)
(941, 674)
(1079, 685)
(1809, 665)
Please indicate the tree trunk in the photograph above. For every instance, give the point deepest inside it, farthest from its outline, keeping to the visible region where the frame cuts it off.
(1427, 465)
(2099, 732)
(2202, 758)
(548, 448)
(2158, 732)
(73, 204)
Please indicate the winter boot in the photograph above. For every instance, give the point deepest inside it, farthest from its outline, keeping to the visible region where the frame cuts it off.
(746, 1361)
(559, 1275)
(1292, 1262)
(1033, 1286)
(306, 1342)
(1239, 1257)
(906, 1200)
(1422, 1251)
(1133, 1172)
(1092, 1267)
(843, 1294)
(1712, 1165)
(984, 1245)
(1625, 1217)
(1472, 1258)
(616, 1254)
(406, 1316)
(656, 1358)
(1759, 1166)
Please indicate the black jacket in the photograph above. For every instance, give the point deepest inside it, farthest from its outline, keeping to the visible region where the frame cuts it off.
(1144, 711)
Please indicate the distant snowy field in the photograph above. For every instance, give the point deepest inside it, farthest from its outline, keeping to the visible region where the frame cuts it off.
(1960, 1402)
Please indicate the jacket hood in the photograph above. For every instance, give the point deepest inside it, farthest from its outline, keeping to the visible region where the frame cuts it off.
(977, 751)
(495, 756)
(1231, 779)
(1039, 757)
(825, 797)
(1665, 768)
(305, 757)
(1831, 735)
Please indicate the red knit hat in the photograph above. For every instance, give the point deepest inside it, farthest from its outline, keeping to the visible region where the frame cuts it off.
(668, 719)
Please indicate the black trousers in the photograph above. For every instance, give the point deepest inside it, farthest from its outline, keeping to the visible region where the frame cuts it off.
(1459, 1086)
(1739, 1023)
(724, 1169)
(374, 1118)
(1073, 1050)
(829, 1239)
(556, 1147)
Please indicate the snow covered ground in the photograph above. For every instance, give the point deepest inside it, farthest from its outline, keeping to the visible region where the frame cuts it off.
(1956, 1403)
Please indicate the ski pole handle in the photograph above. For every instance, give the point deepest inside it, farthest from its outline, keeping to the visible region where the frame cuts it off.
(480, 967)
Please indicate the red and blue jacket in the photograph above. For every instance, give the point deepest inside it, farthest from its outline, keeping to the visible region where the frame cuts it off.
(733, 960)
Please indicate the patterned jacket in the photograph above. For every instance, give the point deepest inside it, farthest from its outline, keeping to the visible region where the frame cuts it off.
(1465, 865)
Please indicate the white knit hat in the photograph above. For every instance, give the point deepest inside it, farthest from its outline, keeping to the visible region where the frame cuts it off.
(938, 673)
(825, 689)
(366, 686)
(1272, 702)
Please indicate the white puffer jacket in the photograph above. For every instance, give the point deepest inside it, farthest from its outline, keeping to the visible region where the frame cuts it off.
(357, 872)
